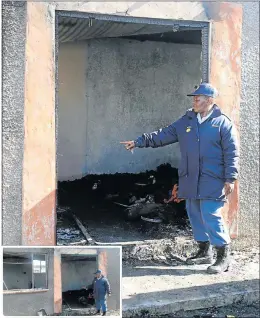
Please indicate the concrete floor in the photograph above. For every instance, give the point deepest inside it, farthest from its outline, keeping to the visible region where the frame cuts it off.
(165, 289)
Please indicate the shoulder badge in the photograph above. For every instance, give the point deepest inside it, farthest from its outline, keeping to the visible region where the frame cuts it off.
(189, 113)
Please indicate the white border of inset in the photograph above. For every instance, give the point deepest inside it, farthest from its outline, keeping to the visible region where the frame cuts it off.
(60, 248)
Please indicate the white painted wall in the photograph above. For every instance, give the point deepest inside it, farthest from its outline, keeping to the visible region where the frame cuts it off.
(114, 89)
(76, 274)
(72, 111)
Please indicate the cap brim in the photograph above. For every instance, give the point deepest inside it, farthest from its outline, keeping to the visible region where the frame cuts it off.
(194, 94)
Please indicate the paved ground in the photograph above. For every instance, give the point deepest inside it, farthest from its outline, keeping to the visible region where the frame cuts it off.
(157, 288)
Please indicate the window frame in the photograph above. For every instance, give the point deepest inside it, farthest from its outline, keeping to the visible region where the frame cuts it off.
(33, 289)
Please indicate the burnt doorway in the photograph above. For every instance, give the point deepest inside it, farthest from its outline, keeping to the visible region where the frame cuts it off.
(77, 273)
(119, 77)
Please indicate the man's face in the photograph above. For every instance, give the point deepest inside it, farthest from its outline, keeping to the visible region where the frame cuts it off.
(200, 103)
(98, 275)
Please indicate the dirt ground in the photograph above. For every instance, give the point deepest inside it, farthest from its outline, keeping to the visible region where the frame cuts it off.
(175, 250)
(156, 275)
(232, 311)
(161, 248)
(88, 312)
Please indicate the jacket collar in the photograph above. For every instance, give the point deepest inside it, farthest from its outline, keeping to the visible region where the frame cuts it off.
(101, 277)
(216, 112)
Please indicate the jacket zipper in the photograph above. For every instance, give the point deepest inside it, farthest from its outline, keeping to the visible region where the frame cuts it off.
(198, 136)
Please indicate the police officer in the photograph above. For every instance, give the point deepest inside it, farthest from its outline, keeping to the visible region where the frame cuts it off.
(101, 288)
(207, 171)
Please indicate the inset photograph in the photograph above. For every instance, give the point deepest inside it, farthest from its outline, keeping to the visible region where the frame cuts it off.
(62, 281)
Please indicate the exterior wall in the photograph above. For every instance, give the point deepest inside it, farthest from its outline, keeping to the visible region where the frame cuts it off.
(113, 274)
(13, 45)
(109, 263)
(27, 304)
(57, 282)
(167, 10)
(226, 76)
(36, 216)
(102, 261)
(76, 274)
(107, 93)
(39, 121)
(249, 127)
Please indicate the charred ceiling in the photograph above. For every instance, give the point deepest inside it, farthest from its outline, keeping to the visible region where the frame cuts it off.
(78, 258)
(80, 29)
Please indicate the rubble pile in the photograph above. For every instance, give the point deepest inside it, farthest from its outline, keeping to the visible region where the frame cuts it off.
(68, 234)
(138, 196)
(166, 252)
(67, 231)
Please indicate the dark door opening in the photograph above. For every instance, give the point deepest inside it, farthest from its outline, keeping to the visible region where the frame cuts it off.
(77, 277)
(118, 79)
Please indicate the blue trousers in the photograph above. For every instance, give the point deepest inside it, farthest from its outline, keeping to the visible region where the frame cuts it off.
(207, 221)
(101, 303)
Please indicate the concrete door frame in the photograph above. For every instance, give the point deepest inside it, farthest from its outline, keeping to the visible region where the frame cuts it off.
(101, 260)
(29, 218)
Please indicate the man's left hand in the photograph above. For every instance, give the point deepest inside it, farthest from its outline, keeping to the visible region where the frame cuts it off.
(229, 188)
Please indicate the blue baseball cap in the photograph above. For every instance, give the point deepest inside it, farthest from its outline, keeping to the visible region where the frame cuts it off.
(205, 89)
(99, 271)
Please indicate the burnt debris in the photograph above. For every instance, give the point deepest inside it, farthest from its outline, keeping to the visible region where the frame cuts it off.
(143, 196)
(82, 297)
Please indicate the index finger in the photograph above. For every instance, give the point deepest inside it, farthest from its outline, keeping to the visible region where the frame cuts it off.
(125, 142)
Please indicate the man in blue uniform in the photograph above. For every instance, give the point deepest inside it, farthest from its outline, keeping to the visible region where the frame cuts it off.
(207, 171)
(101, 289)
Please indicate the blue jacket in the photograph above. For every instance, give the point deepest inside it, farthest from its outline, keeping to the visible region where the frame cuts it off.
(101, 288)
(209, 153)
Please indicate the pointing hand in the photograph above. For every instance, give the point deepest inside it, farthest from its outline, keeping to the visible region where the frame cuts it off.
(129, 145)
